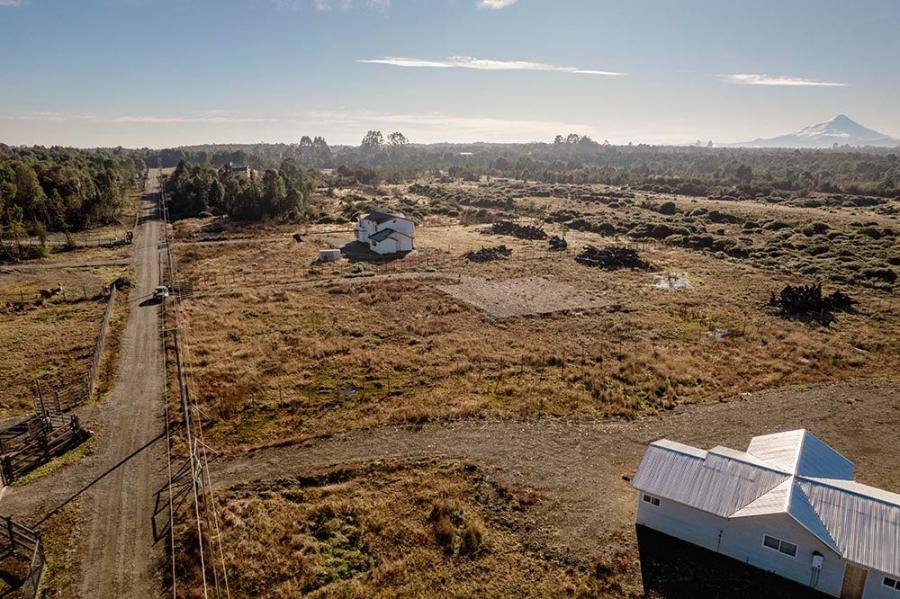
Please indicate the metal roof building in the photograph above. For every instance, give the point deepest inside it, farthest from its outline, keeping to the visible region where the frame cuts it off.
(795, 489)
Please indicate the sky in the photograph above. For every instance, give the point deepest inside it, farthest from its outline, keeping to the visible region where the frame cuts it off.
(160, 73)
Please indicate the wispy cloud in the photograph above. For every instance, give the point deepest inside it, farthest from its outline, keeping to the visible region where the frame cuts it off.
(329, 5)
(495, 4)
(342, 125)
(762, 79)
(12, 2)
(481, 64)
(444, 127)
(215, 117)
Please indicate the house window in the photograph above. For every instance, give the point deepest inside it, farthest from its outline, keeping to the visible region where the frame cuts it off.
(651, 499)
(892, 582)
(779, 545)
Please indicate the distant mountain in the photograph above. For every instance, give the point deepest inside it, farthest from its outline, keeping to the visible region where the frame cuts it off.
(840, 130)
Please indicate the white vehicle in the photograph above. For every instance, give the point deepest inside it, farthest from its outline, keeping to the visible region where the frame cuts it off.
(161, 293)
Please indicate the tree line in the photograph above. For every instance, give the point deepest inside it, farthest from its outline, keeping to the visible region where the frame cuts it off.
(571, 158)
(62, 189)
(201, 189)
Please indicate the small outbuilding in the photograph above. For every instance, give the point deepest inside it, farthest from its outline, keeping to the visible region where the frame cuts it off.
(386, 233)
(788, 506)
(330, 255)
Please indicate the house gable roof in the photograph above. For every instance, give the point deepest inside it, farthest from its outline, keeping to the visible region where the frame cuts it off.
(791, 473)
(381, 217)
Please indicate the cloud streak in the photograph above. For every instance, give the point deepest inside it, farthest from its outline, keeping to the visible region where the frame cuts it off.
(214, 117)
(495, 4)
(776, 81)
(481, 64)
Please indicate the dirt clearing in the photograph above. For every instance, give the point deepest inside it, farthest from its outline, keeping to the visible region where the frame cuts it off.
(531, 296)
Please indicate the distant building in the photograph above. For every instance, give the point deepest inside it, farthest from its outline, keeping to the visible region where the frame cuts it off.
(242, 169)
(386, 233)
(788, 505)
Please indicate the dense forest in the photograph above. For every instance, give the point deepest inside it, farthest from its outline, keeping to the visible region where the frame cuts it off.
(573, 159)
(62, 189)
(197, 189)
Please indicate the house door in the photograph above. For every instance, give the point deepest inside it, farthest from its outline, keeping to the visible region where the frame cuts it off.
(854, 582)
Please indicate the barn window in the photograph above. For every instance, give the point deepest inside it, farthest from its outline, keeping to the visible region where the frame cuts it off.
(779, 545)
(893, 583)
(651, 499)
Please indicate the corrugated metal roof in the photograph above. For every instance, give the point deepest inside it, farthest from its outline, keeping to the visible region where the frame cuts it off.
(773, 502)
(715, 484)
(865, 530)
(800, 452)
(793, 473)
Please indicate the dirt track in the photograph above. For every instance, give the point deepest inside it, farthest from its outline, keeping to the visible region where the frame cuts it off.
(579, 469)
(116, 548)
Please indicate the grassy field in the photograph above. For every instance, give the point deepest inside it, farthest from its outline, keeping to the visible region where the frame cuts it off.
(421, 529)
(53, 338)
(286, 356)
(281, 350)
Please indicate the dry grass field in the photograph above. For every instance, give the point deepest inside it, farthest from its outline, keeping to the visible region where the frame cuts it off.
(51, 339)
(289, 355)
(281, 350)
(422, 529)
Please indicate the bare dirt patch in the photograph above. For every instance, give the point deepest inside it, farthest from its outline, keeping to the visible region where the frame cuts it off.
(531, 296)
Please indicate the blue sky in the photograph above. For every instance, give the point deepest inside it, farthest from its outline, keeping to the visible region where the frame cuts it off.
(170, 72)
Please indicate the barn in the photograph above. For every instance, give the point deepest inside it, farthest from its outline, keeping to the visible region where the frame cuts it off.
(386, 233)
(789, 505)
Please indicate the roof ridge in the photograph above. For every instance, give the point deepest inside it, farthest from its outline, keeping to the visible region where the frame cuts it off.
(825, 483)
(800, 445)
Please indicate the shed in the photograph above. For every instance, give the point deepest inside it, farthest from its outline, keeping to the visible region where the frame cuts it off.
(329, 255)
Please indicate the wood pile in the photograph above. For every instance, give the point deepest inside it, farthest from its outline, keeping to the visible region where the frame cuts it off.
(500, 252)
(529, 232)
(611, 257)
(806, 303)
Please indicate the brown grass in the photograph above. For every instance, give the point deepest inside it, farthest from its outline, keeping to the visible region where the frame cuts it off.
(52, 339)
(273, 363)
(432, 529)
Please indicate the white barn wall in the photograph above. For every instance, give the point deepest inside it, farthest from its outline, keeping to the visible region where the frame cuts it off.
(742, 540)
(875, 588)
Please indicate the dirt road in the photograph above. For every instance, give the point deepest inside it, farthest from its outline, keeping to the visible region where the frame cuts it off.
(117, 544)
(580, 469)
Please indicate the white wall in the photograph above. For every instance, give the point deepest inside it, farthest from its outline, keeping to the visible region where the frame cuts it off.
(364, 229)
(875, 588)
(742, 539)
(385, 246)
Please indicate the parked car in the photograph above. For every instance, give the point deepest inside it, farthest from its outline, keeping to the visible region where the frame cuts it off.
(161, 293)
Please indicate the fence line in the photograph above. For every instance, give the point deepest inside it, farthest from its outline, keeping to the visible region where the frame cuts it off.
(16, 538)
(50, 431)
(93, 372)
(36, 296)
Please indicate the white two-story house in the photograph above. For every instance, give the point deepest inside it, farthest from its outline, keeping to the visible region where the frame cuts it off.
(387, 233)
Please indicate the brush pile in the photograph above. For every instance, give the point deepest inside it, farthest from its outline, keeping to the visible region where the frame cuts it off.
(501, 252)
(612, 257)
(807, 304)
(558, 244)
(505, 227)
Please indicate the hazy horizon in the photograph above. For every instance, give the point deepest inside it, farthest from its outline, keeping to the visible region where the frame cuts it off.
(144, 73)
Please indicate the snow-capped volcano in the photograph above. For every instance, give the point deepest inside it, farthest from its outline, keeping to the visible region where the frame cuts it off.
(840, 130)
